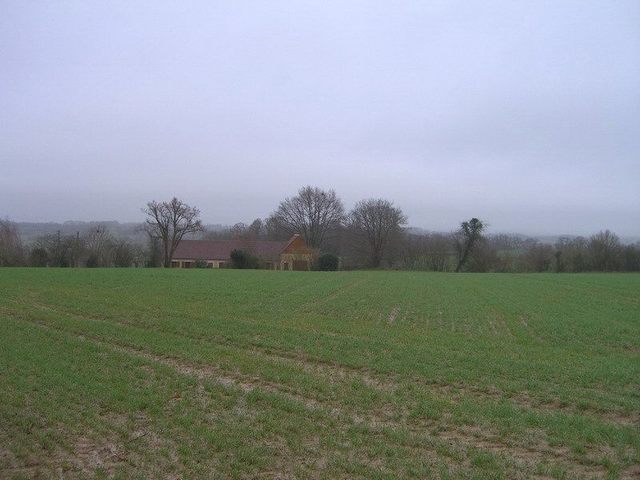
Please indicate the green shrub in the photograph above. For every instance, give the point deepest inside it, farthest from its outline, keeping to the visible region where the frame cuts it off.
(242, 259)
(327, 262)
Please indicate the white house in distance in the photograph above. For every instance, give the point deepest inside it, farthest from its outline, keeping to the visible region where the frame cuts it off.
(292, 254)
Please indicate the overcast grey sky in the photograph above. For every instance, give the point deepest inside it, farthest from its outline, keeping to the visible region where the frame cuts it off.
(525, 114)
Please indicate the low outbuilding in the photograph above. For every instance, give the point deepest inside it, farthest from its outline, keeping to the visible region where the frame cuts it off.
(292, 254)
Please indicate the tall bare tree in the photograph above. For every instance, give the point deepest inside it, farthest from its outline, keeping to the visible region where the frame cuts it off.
(376, 223)
(466, 238)
(313, 213)
(605, 251)
(170, 222)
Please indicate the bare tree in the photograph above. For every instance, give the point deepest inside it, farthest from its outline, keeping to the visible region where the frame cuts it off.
(153, 253)
(243, 231)
(273, 229)
(99, 245)
(170, 222)
(11, 251)
(427, 251)
(631, 258)
(605, 251)
(504, 252)
(55, 250)
(466, 238)
(539, 257)
(239, 230)
(313, 213)
(376, 223)
(256, 229)
(124, 253)
(484, 258)
(573, 254)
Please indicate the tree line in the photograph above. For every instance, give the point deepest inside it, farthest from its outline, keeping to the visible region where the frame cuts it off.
(372, 234)
(95, 248)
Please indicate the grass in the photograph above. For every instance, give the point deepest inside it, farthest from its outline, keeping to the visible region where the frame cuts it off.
(259, 374)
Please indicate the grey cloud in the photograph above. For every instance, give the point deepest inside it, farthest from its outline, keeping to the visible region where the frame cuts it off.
(523, 113)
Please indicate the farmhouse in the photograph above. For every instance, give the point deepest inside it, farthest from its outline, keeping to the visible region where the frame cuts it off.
(293, 254)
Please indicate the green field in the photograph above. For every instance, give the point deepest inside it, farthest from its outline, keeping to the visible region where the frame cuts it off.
(257, 374)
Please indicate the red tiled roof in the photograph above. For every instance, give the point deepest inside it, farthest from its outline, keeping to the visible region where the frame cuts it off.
(221, 249)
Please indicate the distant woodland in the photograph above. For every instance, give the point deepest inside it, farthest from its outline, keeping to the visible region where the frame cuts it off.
(373, 234)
